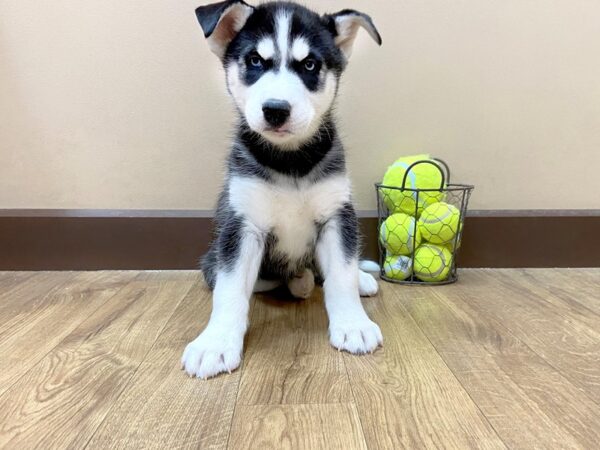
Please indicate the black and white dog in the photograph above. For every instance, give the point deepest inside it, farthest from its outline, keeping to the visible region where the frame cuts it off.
(286, 212)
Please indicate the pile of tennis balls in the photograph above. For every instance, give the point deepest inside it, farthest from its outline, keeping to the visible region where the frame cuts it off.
(420, 233)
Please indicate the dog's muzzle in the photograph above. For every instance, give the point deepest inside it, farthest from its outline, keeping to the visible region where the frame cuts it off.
(276, 112)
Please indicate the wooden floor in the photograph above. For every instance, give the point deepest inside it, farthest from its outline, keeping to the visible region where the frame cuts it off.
(504, 358)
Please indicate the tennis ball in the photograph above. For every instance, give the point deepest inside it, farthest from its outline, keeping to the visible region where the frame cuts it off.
(453, 245)
(421, 176)
(397, 267)
(439, 223)
(399, 234)
(432, 262)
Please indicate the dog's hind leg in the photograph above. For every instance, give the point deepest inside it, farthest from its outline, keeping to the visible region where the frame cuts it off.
(219, 347)
(367, 284)
(266, 285)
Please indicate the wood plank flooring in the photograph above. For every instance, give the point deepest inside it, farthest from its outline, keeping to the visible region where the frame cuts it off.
(501, 359)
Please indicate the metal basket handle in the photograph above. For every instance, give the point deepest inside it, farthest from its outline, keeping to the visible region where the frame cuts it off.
(437, 163)
(446, 168)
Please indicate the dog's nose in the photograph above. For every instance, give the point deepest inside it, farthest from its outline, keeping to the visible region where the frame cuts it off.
(276, 112)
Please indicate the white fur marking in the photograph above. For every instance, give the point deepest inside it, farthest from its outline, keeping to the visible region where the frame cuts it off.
(236, 87)
(266, 48)
(283, 25)
(219, 347)
(287, 209)
(350, 328)
(307, 107)
(300, 49)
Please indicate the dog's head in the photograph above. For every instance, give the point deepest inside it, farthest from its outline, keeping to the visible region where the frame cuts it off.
(283, 62)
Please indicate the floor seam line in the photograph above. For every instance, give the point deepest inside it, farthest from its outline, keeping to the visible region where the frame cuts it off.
(451, 371)
(253, 299)
(548, 363)
(133, 372)
(62, 340)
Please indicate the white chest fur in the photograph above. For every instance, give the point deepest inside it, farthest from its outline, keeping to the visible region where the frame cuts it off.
(289, 210)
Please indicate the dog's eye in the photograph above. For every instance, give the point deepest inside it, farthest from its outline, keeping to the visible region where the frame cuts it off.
(310, 65)
(256, 61)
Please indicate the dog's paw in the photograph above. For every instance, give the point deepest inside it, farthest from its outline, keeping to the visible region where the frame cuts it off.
(360, 336)
(211, 354)
(367, 284)
(302, 286)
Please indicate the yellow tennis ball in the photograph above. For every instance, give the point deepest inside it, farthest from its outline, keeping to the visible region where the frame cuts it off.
(453, 245)
(439, 223)
(399, 234)
(432, 262)
(397, 267)
(421, 176)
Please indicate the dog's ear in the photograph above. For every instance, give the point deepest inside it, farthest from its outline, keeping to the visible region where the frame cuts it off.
(221, 22)
(345, 24)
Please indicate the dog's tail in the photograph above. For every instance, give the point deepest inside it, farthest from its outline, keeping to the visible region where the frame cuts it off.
(368, 266)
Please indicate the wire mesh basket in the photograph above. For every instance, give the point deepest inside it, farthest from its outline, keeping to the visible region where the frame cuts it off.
(426, 223)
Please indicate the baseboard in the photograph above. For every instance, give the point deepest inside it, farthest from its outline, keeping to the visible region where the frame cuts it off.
(109, 239)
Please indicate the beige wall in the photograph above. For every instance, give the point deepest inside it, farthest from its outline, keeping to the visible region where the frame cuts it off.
(119, 104)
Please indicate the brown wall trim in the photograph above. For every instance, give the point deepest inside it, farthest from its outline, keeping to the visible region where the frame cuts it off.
(207, 213)
(80, 240)
(104, 213)
(521, 241)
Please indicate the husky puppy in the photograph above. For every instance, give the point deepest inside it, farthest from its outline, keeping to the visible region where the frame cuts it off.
(285, 213)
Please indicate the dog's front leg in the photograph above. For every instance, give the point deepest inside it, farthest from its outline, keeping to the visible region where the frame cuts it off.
(219, 347)
(350, 328)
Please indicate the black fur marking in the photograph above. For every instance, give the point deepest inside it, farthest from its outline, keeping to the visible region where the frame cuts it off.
(209, 15)
(298, 162)
(208, 265)
(316, 31)
(253, 73)
(241, 162)
(310, 79)
(260, 23)
(334, 163)
(348, 231)
(229, 241)
(308, 24)
(330, 20)
(225, 247)
(277, 266)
